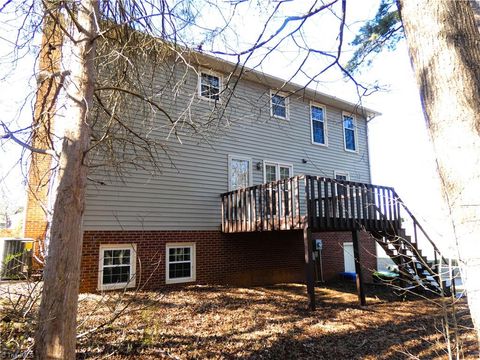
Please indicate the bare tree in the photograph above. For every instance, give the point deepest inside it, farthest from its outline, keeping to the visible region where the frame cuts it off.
(97, 64)
(116, 38)
(442, 37)
(65, 130)
(57, 328)
(443, 41)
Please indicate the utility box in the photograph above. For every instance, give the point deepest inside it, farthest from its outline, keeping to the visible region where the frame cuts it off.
(15, 258)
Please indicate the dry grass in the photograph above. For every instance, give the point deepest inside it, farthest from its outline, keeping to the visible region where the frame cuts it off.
(200, 322)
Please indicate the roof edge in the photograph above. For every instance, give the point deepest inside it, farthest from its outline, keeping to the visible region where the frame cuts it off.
(277, 83)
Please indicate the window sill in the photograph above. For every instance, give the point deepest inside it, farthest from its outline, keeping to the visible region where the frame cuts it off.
(319, 144)
(180, 280)
(280, 118)
(118, 286)
(215, 101)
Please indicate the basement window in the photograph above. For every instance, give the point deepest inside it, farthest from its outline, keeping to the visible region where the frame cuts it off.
(117, 264)
(180, 263)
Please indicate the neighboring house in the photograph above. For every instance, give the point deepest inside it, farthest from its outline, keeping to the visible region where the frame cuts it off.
(11, 223)
(281, 168)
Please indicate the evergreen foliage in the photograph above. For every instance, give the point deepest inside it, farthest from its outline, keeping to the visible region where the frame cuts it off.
(383, 31)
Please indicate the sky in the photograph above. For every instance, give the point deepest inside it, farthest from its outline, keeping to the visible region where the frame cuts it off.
(401, 154)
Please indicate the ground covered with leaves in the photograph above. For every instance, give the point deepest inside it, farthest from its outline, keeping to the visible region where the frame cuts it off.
(200, 322)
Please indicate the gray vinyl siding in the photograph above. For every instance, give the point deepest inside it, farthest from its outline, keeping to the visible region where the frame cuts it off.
(185, 195)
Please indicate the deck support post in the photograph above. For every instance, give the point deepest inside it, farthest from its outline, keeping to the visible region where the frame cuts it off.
(402, 269)
(358, 268)
(309, 268)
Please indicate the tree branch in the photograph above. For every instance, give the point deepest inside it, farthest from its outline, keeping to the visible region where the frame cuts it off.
(11, 135)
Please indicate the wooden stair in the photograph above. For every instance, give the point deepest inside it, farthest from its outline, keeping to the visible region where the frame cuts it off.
(417, 272)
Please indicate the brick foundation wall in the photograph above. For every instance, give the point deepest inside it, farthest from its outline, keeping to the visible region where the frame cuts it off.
(234, 259)
(333, 256)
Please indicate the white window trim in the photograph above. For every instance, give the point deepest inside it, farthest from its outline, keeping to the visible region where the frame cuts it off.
(133, 266)
(325, 126)
(239, 157)
(355, 132)
(287, 105)
(341, 173)
(193, 265)
(277, 164)
(199, 84)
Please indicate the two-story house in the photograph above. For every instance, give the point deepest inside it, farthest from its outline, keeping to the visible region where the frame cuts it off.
(268, 188)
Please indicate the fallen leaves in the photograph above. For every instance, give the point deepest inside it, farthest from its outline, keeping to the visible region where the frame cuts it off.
(215, 322)
(199, 322)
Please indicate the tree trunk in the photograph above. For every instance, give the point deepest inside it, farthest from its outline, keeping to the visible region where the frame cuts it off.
(444, 46)
(56, 334)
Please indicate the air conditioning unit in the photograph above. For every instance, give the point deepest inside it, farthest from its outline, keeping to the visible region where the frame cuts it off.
(15, 258)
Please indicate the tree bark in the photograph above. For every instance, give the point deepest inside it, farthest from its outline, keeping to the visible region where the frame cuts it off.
(444, 46)
(56, 334)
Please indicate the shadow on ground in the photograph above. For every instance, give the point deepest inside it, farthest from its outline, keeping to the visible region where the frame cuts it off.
(273, 323)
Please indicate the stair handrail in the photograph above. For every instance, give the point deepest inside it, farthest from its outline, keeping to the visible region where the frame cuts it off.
(416, 223)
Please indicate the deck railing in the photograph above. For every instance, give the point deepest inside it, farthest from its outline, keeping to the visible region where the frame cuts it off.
(264, 207)
(319, 202)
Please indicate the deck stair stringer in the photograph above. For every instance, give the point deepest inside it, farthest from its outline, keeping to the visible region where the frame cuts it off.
(416, 271)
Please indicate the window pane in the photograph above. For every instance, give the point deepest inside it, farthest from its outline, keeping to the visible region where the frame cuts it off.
(210, 86)
(349, 139)
(117, 257)
(108, 257)
(348, 122)
(179, 254)
(179, 270)
(213, 81)
(270, 173)
(318, 132)
(117, 274)
(284, 172)
(317, 113)
(279, 107)
(239, 174)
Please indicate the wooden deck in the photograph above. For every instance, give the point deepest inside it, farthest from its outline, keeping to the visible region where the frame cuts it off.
(316, 204)
(313, 202)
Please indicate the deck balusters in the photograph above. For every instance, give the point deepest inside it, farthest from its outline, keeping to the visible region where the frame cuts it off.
(325, 204)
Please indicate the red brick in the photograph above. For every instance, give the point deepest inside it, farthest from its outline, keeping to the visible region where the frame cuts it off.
(236, 259)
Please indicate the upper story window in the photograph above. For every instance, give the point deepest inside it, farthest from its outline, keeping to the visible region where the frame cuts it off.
(278, 105)
(209, 86)
(239, 172)
(318, 124)
(350, 132)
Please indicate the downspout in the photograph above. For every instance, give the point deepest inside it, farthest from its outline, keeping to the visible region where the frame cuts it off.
(369, 118)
